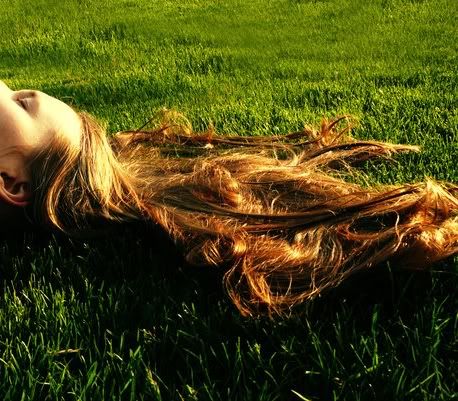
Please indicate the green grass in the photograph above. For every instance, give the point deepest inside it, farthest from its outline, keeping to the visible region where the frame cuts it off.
(121, 318)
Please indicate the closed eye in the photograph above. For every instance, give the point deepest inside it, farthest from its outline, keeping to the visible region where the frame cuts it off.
(24, 99)
(23, 103)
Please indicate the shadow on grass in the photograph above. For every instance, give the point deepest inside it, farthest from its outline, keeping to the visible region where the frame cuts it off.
(140, 293)
(146, 259)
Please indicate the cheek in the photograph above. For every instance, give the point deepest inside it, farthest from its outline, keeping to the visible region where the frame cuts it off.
(17, 127)
(8, 131)
(13, 132)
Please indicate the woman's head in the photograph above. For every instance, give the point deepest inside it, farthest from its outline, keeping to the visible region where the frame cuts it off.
(56, 164)
(29, 122)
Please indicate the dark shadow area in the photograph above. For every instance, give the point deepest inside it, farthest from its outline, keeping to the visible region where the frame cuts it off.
(183, 311)
(145, 255)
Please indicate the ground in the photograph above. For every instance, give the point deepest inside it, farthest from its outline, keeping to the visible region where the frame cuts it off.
(122, 318)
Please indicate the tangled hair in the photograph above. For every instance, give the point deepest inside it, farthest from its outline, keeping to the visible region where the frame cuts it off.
(281, 215)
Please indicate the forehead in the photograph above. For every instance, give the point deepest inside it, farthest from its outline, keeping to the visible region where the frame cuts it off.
(56, 116)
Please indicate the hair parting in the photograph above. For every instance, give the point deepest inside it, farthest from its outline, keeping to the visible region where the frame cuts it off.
(281, 215)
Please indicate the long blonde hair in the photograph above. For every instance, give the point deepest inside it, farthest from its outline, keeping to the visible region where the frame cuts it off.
(282, 215)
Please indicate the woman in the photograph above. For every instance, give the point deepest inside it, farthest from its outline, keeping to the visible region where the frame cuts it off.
(275, 213)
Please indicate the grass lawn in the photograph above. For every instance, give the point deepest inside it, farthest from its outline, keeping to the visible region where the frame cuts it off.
(122, 318)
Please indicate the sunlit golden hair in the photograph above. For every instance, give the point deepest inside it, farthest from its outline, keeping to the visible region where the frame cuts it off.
(282, 215)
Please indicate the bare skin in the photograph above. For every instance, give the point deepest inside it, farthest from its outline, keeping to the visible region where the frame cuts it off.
(28, 122)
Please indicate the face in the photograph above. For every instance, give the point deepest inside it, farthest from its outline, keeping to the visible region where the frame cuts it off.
(29, 120)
